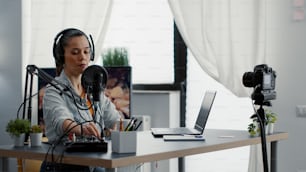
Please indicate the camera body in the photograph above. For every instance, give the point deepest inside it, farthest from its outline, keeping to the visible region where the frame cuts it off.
(263, 82)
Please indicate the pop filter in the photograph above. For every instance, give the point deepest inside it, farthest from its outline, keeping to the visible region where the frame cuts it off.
(94, 80)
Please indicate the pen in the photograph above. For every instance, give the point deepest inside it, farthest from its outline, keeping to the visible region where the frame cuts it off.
(138, 125)
(121, 125)
(130, 124)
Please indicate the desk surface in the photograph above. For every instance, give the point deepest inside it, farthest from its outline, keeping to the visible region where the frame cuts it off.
(148, 149)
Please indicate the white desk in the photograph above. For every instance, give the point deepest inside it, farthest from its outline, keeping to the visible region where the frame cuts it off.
(150, 149)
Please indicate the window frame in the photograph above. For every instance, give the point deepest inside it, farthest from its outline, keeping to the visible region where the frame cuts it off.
(180, 74)
(180, 81)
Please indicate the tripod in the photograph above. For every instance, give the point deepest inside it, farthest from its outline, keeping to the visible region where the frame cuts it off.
(260, 113)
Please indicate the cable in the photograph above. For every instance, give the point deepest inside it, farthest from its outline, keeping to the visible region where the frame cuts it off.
(138, 167)
(24, 102)
(57, 142)
(61, 89)
(34, 70)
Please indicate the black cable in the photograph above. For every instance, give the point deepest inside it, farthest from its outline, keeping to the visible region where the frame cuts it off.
(53, 82)
(71, 122)
(260, 113)
(33, 70)
(138, 166)
(59, 159)
(24, 102)
(93, 117)
(57, 142)
(77, 105)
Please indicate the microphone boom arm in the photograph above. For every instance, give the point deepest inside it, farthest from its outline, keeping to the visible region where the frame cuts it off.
(34, 70)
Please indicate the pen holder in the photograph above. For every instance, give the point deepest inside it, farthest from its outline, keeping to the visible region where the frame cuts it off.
(124, 141)
(125, 122)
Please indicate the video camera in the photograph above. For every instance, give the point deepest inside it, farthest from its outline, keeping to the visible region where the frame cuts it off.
(263, 82)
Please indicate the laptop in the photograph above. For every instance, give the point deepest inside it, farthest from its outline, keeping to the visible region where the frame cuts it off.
(199, 126)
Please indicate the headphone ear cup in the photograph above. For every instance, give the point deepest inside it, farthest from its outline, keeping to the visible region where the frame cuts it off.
(57, 52)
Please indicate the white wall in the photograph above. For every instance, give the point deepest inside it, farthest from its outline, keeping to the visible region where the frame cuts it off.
(10, 63)
(10, 66)
(163, 109)
(286, 47)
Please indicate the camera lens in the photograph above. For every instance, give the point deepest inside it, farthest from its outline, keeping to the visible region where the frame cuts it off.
(248, 79)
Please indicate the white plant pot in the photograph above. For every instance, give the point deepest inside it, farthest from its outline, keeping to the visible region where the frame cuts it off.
(267, 129)
(270, 128)
(19, 141)
(35, 139)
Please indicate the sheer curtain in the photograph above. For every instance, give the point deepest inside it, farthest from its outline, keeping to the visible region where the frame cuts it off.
(227, 38)
(145, 28)
(43, 19)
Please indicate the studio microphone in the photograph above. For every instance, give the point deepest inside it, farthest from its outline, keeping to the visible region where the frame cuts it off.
(93, 81)
(97, 87)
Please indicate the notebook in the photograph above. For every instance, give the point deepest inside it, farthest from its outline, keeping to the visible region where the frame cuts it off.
(200, 123)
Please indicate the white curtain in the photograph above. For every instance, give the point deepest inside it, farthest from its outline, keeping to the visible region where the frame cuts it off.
(43, 19)
(227, 38)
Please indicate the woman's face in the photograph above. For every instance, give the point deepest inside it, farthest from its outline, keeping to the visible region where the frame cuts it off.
(77, 55)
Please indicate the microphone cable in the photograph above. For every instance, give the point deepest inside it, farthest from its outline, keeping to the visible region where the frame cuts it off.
(24, 102)
(58, 141)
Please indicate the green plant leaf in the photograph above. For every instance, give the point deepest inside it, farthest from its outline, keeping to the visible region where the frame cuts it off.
(271, 117)
(36, 129)
(18, 126)
(115, 57)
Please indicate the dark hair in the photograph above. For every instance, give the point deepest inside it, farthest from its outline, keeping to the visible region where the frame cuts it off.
(61, 40)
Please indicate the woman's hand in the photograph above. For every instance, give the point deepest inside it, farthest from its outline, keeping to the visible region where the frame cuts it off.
(90, 129)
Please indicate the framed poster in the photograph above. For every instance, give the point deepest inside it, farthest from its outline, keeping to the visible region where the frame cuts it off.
(118, 90)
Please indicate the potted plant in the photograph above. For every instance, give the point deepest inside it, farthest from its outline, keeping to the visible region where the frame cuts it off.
(115, 57)
(35, 135)
(271, 118)
(253, 128)
(17, 129)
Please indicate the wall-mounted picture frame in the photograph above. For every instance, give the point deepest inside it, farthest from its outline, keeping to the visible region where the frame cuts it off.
(118, 90)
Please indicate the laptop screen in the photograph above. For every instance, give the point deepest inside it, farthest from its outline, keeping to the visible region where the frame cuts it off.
(205, 110)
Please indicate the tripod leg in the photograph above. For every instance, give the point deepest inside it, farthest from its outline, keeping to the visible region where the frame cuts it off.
(274, 156)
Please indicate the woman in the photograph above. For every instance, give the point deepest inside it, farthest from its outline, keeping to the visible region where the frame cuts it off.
(69, 111)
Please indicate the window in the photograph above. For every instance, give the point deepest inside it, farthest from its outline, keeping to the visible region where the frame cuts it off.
(145, 28)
